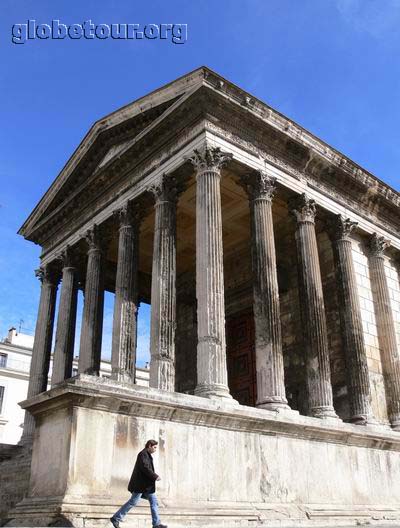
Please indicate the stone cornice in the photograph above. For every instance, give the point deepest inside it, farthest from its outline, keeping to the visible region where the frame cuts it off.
(125, 179)
(138, 149)
(156, 143)
(352, 194)
(111, 396)
(136, 109)
(319, 151)
(301, 136)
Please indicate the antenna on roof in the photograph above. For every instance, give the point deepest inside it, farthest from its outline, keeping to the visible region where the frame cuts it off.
(21, 321)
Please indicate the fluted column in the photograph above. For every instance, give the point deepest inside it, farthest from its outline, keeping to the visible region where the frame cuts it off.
(312, 310)
(40, 362)
(212, 379)
(268, 340)
(386, 328)
(66, 321)
(124, 336)
(92, 319)
(359, 389)
(163, 286)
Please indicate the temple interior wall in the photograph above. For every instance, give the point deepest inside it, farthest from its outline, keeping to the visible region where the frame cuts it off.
(335, 343)
(186, 334)
(371, 340)
(393, 280)
(239, 299)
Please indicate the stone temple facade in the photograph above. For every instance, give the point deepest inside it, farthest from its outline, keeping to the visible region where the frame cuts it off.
(271, 262)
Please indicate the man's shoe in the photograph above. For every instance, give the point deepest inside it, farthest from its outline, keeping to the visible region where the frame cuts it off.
(161, 526)
(114, 522)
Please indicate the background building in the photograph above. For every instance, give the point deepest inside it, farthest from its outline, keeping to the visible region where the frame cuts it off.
(15, 362)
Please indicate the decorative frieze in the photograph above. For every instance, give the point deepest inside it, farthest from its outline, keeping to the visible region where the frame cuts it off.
(212, 378)
(303, 209)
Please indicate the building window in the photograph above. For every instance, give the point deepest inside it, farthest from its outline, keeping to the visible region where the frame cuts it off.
(3, 360)
(1, 397)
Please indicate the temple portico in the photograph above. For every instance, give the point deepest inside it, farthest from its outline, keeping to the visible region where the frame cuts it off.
(273, 275)
(256, 189)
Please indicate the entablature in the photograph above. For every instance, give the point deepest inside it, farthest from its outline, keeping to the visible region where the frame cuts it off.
(124, 157)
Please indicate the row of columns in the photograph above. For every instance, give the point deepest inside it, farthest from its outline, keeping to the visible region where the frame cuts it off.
(211, 350)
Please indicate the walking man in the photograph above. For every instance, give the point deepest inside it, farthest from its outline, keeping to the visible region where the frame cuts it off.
(142, 484)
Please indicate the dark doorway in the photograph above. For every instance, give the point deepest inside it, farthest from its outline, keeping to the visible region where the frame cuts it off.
(241, 358)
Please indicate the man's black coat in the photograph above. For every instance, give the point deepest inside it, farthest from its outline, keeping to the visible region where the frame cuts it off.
(143, 479)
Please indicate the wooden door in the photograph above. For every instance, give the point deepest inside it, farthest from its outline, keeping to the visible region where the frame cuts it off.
(241, 358)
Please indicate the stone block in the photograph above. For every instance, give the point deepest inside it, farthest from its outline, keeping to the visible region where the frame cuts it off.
(220, 465)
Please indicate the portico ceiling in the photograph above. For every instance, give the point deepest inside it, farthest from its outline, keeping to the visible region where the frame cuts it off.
(235, 222)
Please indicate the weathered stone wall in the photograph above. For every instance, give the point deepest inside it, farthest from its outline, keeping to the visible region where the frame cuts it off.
(186, 334)
(238, 282)
(336, 352)
(292, 337)
(239, 299)
(205, 449)
(392, 269)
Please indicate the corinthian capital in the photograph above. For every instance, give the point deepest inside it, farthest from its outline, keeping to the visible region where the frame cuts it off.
(128, 215)
(341, 228)
(166, 189)
(47, 275)
(303, 209)
(377, 245)
(94, 239)
(209, 159)
(67, 257)
(259, 184)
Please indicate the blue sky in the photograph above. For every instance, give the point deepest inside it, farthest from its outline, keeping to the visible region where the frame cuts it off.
(330, 65)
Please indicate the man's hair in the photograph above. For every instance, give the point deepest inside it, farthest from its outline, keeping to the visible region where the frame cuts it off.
(151, 443)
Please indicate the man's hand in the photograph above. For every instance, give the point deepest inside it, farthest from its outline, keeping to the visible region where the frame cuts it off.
(158, 478)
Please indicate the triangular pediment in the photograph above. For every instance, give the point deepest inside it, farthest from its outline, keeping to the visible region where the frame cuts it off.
(108, 138)
(113, 139)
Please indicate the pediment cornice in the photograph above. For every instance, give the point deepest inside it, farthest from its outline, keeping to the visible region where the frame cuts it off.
(115, 140)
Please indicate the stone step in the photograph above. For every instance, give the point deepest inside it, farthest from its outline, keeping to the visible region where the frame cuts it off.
(15, 465)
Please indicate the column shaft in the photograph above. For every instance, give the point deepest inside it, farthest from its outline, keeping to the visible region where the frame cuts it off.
(211, 348)
(163, 289)
(66, 322)
(386, 328)
(313, 310)
(358, 382)
(124, 337)
(92, 319)
(40, 362)
(269, 358)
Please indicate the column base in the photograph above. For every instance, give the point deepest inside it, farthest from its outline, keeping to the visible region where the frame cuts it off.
(122, 375)
(324, 411)
(273, 403)
(395, 425)
(162, 373)
(214, 392)
(363, 419)
(26, 440)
